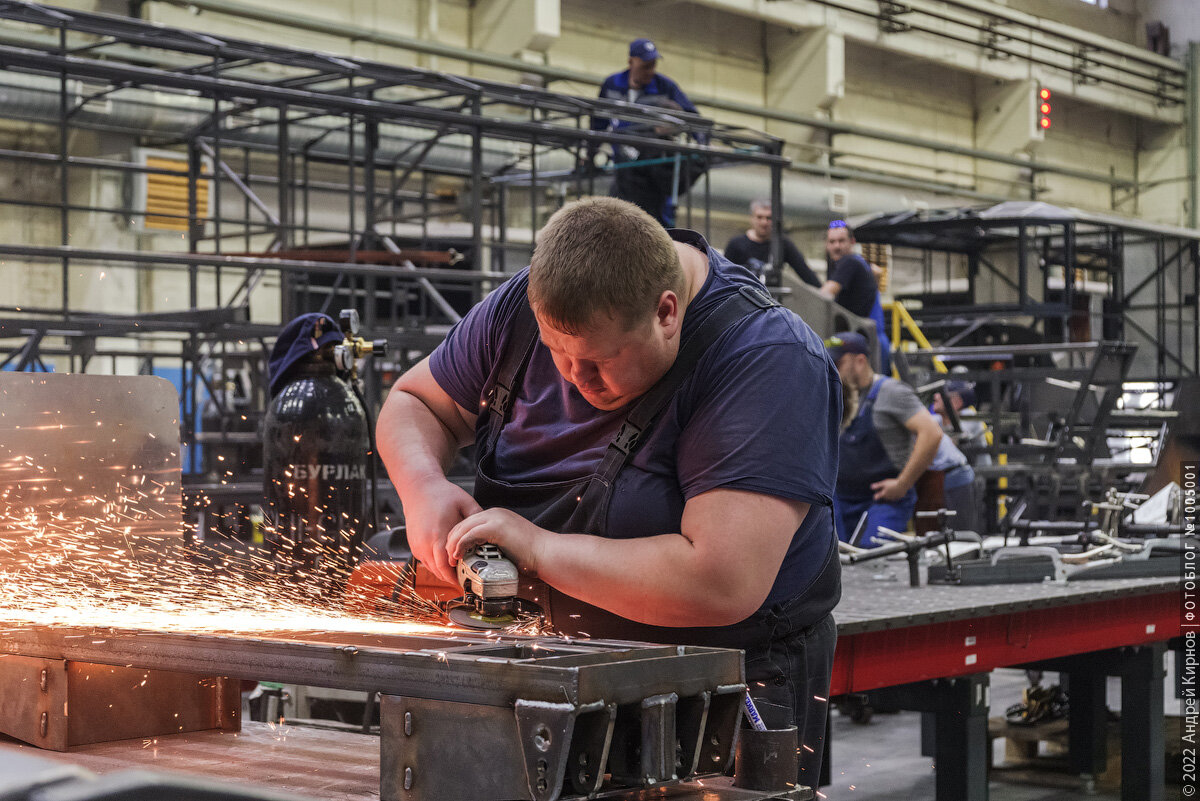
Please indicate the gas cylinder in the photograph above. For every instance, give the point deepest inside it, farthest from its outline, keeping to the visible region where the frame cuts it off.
(315, 447)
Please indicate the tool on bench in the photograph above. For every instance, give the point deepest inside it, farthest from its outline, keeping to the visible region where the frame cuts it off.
(910, 546)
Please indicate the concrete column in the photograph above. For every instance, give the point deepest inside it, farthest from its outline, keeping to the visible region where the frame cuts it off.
(1007, 116)
(1006, 121)
(521, 28)
(1162, 157)
(805, 74)
(1193, 128)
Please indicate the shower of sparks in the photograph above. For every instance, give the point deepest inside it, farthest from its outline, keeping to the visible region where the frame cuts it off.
(78, 552)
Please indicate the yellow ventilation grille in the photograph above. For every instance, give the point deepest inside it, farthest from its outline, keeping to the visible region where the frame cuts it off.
(879, 255)
(164, 196)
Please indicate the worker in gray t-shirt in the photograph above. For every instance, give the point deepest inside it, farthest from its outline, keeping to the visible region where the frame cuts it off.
(888, 445)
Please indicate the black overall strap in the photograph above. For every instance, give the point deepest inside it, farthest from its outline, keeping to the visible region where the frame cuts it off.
(868, 404)
(737, 306)
(523, 335)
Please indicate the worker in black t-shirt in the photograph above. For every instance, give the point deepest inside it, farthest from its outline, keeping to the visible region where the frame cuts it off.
(753, 250)
(850, 282)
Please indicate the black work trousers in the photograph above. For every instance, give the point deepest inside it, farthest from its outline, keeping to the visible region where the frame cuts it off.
(790, 684)
(649, 188)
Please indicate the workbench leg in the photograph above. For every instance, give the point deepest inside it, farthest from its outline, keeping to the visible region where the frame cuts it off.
(1143, 769)
(1087, 736)
(928, 734)
(961, 744)
(958, 708)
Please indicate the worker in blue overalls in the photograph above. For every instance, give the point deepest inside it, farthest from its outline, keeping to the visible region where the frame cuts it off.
(890, 441)
(649, 177)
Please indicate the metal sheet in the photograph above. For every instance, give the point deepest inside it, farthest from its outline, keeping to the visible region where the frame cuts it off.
(86, 456)
(422, 752)
(33, 701)
(57, 704)
(107, 702)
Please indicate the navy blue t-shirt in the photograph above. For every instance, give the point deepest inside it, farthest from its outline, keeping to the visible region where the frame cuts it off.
(859, 287)
(760, 413)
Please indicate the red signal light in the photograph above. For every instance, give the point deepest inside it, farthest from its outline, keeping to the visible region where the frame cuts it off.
(1043, 105)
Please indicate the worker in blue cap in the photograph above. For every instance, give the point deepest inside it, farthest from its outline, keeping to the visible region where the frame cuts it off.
(889, 443)
(651, 187)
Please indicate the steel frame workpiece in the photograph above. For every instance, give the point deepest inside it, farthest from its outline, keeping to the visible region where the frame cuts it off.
(543, 718)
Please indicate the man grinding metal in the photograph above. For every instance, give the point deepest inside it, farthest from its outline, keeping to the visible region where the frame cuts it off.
(656, 442)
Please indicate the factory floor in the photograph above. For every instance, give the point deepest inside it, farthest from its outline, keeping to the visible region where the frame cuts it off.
(881, 761)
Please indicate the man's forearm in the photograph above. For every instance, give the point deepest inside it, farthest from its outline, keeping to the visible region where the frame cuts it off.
(703, 576)
(659, 580)
(412, 442)
(805, 273)
(924, 449)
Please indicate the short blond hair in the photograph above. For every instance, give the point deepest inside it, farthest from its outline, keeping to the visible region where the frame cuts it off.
(600, 256)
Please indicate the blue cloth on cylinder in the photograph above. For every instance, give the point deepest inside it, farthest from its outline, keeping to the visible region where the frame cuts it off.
(299, 338)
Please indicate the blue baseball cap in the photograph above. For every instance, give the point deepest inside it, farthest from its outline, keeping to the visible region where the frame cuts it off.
(306, 334)
(643, 49)
(846, 342)
(965, 390)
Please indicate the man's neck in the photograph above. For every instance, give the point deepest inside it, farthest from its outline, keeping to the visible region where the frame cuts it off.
(867, 381)
(753, 236)
(695, 270)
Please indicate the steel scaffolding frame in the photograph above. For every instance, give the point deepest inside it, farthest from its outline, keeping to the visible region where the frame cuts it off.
(316, 166)
(1152, 275)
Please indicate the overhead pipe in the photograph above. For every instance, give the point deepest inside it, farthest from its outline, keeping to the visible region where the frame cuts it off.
(36, 98)
(809, 199)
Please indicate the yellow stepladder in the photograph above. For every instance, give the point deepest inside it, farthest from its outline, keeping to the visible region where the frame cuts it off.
(902, 321)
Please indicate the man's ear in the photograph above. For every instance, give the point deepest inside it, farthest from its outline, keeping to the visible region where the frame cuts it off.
(667, 312)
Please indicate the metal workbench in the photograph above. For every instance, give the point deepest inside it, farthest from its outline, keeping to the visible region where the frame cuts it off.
(932, 648)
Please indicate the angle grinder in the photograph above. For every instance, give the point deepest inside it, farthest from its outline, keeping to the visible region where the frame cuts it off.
(490, 582)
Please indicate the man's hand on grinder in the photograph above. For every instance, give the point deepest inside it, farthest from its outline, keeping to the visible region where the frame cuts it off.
(521, 541)
(437, 510)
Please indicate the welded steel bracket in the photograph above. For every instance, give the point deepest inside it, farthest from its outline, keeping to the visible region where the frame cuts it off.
(547, 733)
(545, 751)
